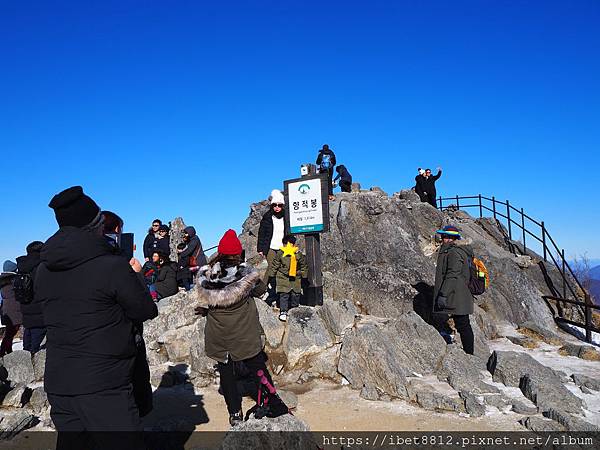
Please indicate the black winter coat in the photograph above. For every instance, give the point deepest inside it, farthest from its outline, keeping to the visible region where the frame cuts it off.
(149, 245)
(420, 187)
(265, 233)
(32, 312)
(162, 246)
(194, 248)
(429, 185)
(343, 174)
(166, 280)
(90, 300)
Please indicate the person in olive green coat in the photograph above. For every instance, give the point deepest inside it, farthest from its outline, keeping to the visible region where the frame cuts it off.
(233, 335)
(288, 267)
(451, 292)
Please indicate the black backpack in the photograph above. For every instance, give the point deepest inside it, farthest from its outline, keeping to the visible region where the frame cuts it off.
(23, 287)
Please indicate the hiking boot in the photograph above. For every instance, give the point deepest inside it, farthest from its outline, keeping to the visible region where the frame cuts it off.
(236, 418)
(283, 317)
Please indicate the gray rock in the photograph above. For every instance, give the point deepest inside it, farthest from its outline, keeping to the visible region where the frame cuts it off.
(13, 422)
(269, 434)
(369, 392)
(39, 400)
(509, 367)
(523, 341)
(586, 390)
(588, 382)
(433, 397)
(473, 405)
(322, 365)
(338, 315)
(176, 227)
(306, 335)
(202, 367)
(39, 364)
(549, 393)
(177, 343)
(17, 396)
(173, 313)
(539, 424)
(19, 367)
(401, 347)
(521, 407)
(570, 422)
(586, 352)
(496, 400)
(463, 372)
(272, 326)
(533, 330)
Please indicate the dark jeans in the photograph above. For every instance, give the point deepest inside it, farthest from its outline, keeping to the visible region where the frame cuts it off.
(330, 181)
(463, 326)
(288, 300)
(92, 420)
(345, 186)
(231, 372)
(32, 338)
(10, 331)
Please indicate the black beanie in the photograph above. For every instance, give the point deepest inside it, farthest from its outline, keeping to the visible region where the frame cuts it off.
(73, 208)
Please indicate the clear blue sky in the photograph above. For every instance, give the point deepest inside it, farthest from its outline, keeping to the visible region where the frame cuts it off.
(197, 109)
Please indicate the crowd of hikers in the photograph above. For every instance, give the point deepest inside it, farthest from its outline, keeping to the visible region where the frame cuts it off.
(77, 292)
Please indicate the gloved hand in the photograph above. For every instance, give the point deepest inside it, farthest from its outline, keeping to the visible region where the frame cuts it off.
(199, 310)
(441, 303)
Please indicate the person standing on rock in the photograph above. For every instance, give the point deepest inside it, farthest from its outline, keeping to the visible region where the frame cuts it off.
(233, 335)
(11, 309)
(289, 268)
(191, 257)
(451, 294)
(420, 187)
(270, 238)
(151, 238)
(33, 321)
(162, 244)
(428, 186)
(326, 162)
(91, 300)
(345, 178)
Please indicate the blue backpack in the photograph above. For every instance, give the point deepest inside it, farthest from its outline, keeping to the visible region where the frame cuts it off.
(326, 162)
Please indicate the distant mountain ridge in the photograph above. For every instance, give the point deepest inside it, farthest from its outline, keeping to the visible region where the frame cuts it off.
(595, 273)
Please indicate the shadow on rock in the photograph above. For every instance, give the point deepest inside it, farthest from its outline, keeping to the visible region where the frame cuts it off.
(177, 411)
(423, 306)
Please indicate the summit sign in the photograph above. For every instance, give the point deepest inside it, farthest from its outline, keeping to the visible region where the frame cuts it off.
(307, 204)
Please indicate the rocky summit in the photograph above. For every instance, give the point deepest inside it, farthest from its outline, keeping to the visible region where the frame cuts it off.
(376, 331)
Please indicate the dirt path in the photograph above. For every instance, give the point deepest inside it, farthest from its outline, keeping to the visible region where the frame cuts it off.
(325, 407)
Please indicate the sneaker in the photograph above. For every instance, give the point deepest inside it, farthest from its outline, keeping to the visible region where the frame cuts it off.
(236, 418)
(283, 317)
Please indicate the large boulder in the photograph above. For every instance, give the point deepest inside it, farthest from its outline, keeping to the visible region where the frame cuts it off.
(202, 367)
(383, 353)
(13, 422)
(338, 315)
(285, 431)
(272, 326)
(306, 335)
(19, 366)
(39, 364)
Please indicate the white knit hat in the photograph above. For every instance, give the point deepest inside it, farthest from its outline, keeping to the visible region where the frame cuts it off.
(277, 197)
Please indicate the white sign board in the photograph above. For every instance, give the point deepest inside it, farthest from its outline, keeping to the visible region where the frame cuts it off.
(305, 206)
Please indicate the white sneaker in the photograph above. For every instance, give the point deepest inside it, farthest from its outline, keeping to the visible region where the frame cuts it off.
(283, 317)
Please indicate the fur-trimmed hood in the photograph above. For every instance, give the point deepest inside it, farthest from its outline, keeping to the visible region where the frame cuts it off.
(219, 291)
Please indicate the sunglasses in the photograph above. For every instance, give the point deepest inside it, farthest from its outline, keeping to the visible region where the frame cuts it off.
(279, 205)
(155, 226)
(162, 231)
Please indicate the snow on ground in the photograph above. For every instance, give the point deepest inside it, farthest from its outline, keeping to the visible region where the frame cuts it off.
(580, 333)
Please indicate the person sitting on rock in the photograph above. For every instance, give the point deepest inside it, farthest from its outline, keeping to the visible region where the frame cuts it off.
(451, 292)
(289, 268)
(270, 238)
(166, 278)
(233, 335)
(344, 177)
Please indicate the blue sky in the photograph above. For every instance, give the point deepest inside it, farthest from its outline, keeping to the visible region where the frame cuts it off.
(198, 109)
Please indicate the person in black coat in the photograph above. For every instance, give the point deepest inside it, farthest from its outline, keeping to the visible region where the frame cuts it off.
(428, 186)
(33, 320)
(326, 162)
(345, 178)
(166, 278)
(192, 250)
(151, 238)
(91, 300)
(162, 244)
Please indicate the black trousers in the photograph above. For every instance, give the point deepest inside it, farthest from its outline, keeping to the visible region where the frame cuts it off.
(330, 180)
(233, 371)
(103, 420)
(288, 300)
(463, 326)
(346, 186)
(32, 338)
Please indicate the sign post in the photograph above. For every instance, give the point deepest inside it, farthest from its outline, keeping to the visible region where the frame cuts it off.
(307, 213)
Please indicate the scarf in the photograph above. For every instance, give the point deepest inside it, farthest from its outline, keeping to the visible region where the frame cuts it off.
(290, 250)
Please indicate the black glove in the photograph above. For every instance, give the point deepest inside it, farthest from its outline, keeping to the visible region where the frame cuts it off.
(441, 303)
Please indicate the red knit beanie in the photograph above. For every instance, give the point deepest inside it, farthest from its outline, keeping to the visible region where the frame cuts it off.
(230, 244)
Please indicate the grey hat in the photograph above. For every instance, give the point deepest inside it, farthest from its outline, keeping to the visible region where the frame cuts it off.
(9, 266)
